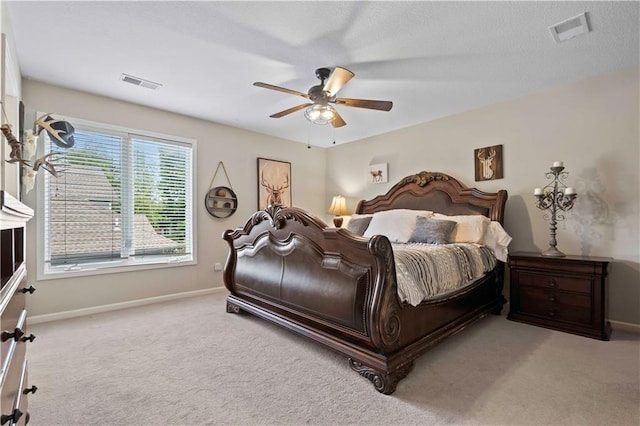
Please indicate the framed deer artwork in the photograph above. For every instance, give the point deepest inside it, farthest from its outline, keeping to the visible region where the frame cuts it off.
(274, 183)
(379, 173)
(488, 162)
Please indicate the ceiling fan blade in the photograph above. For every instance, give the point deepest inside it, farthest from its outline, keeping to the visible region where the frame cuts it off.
(338, 121)
(365, 103)
(289, 111)
(338, 78)
(280, 89)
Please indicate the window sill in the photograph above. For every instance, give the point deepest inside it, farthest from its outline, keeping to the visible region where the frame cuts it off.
(87, 270)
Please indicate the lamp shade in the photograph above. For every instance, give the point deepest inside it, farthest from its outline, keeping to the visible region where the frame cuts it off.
(320, 114)
(338, 206)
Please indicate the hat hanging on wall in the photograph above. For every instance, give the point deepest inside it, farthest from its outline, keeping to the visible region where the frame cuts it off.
(60, 131)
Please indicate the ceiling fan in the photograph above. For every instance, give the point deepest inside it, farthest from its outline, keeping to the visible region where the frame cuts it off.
(319, 111)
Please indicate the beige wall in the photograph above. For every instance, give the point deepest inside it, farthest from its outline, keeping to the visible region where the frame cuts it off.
(238, 149)
(592, 126)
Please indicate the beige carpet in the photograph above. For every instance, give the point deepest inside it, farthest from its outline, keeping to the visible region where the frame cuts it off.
(188, 362)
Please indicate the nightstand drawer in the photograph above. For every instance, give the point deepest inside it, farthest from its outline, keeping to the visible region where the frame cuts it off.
(565, 283)
(543, 295)
(558, 307)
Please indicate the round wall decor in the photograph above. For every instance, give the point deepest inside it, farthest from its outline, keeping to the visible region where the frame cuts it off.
(221, 201)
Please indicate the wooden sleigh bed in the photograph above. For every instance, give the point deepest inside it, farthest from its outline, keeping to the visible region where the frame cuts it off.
(340, 289)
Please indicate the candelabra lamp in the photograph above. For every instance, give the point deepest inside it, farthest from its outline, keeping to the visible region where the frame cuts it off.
(555, 199)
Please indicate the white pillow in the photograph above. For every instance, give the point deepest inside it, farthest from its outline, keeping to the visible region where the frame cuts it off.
(470, 228)
(497, 239)
(396, 224)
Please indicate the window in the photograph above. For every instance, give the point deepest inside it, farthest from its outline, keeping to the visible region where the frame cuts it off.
(121, 198)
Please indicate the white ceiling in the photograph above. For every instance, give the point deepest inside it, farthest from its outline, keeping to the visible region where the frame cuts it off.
(431, 59)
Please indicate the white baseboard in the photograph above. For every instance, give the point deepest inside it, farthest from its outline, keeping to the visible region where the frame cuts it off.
(36, 319)
(626, 326)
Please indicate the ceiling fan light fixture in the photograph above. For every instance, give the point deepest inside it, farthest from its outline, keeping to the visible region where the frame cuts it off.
(317, 109)
(320, 114)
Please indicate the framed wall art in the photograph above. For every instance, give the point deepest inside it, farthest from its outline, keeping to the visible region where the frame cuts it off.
(379, 172)
(274, 183)
(488, 162)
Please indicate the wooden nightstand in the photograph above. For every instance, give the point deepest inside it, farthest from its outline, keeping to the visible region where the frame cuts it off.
(562, 293)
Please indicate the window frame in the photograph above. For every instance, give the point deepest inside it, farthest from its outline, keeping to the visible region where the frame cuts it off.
(121, 265)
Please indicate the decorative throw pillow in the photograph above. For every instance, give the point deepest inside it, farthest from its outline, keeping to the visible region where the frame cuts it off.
(469, 229)
(359, 223)
(432, 231)
(396, 224)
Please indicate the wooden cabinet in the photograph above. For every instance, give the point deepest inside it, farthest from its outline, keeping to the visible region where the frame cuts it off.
(14, 337)
(562, 293)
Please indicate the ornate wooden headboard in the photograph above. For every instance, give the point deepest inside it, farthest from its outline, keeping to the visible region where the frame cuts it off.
(440, 193)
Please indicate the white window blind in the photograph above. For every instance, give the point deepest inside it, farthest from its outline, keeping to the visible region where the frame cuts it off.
(120, 199)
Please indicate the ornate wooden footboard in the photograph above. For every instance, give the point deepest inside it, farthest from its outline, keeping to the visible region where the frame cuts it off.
(340, 289)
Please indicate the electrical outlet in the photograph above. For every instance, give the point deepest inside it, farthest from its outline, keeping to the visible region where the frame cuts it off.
(217, 267)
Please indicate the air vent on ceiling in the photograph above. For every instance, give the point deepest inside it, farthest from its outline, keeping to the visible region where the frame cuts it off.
(570, 28)
(139, 81)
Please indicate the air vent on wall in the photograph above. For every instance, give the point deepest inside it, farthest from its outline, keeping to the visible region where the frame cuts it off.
(570, 28)
(139, 81)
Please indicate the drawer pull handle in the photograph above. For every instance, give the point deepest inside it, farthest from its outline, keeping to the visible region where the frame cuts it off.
(552, 313)
(32, 389)
(29, 290)
(552, 283)
(13, 417)
(29, 338)
(552, 298)
(16, 335)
